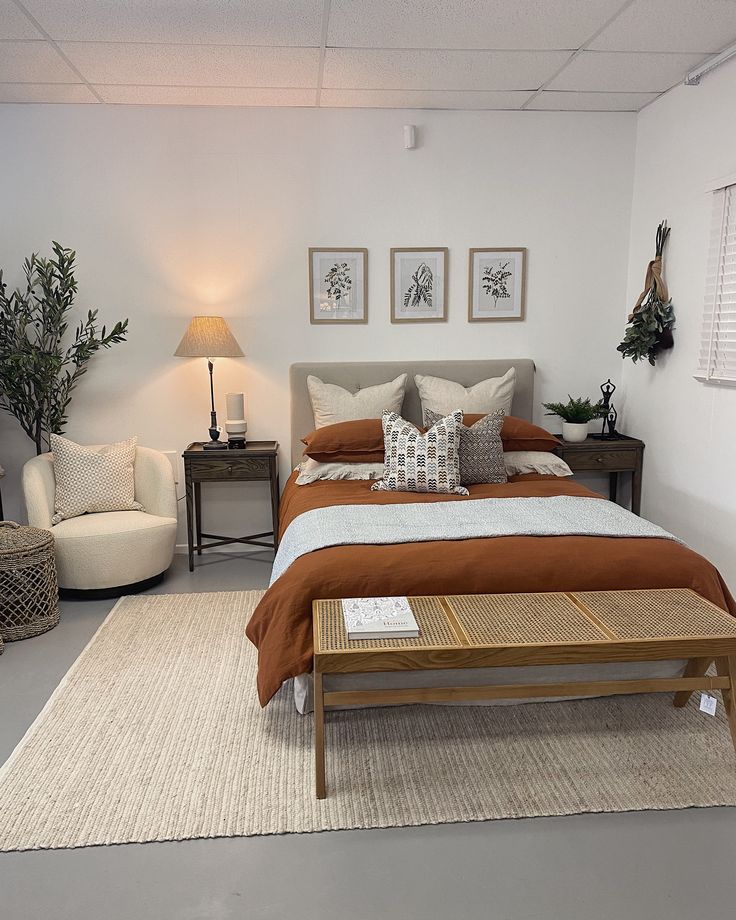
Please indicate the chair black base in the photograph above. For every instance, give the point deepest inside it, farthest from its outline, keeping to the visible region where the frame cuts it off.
(97, 594)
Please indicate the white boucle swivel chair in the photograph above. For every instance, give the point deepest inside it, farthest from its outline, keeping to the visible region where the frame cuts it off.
(113, 549)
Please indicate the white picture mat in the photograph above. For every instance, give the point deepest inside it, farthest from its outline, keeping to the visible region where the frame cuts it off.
(406, 265)
(351, 305)
(484, 304)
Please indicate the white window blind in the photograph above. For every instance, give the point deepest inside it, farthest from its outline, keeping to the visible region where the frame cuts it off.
(718, 341)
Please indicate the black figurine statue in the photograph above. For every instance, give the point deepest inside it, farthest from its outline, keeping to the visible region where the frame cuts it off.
(610, 420)
(607, 389)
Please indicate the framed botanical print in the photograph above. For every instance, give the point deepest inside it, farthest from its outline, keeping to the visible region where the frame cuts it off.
(338, 286)
(419, 285)
(496, 284)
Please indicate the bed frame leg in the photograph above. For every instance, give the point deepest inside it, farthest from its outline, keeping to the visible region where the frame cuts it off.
(696, 667)
(319, 737)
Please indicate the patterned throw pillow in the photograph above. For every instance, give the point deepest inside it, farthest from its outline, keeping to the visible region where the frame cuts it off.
(90, 479)
(417, 462)
(481, 448)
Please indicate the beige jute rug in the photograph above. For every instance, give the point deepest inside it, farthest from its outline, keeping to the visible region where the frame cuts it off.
(156, 734)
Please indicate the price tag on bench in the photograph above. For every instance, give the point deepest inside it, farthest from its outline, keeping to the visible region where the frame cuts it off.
(708, 703)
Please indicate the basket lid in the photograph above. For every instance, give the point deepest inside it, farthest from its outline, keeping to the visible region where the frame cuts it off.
(18, 538)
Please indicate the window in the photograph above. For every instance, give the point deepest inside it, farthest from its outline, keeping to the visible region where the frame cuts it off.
(718, 341)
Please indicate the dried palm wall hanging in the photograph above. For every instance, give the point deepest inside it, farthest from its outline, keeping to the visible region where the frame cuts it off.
(650, 326)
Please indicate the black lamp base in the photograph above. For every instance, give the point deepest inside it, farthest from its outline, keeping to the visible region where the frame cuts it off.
(214, 443)
(236, 443)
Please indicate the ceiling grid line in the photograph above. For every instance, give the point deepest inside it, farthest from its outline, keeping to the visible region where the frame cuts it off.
(50, 41)
(322, 50)
(572, 57)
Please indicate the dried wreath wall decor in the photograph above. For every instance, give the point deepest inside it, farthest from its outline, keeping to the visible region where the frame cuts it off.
(652, 321)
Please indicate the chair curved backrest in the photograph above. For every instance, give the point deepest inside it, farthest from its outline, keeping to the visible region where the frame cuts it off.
(154, 486)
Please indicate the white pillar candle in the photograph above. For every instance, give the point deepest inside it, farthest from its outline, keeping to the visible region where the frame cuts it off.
(235, 406)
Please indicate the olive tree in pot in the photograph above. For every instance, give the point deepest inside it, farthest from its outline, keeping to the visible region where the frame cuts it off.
(39, 363)
(575, 415)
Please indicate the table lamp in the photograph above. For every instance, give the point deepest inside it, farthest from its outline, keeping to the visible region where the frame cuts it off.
(209, 337)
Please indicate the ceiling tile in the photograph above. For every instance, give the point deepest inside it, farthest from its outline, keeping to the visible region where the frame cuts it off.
(608, 71)
(205, 95)
(420, 99)
(194, 65)
(33, 62)
(14, 24)
(246, 22)
(45, 92)
(468, 70)
(591, 102)
(671, 25)
(500, 24)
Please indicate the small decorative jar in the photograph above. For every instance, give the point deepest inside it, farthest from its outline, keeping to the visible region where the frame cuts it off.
(29, 592)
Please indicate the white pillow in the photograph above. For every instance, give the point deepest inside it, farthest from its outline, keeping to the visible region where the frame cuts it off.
(332, 404)
(312, 471)
(534, 461)
(93, 479)
(445, 396)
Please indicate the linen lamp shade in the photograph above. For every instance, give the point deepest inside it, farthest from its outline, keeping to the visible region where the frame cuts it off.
(208, 337)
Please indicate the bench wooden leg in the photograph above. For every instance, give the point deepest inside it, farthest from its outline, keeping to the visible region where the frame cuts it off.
(696, 667)
(727, 668)
(319, 737)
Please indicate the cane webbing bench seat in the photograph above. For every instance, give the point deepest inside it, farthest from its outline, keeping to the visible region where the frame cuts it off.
(506, 630)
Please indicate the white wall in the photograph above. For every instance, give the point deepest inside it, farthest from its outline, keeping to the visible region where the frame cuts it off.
(177, 211)
(684, 140)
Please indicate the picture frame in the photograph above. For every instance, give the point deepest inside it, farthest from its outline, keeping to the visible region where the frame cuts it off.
(497, 275)
(419, 284)
(338, 285)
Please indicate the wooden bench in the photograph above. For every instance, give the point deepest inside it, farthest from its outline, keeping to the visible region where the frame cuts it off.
(503, 630)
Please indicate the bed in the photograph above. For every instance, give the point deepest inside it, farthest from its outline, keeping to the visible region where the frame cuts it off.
(281, 624)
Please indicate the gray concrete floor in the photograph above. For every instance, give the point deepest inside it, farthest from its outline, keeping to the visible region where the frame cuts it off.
(648, 865)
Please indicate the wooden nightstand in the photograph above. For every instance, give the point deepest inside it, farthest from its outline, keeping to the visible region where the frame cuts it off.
(257, 461)
(619, 455)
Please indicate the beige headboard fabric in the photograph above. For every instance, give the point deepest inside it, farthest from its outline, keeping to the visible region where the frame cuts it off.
(356, 375)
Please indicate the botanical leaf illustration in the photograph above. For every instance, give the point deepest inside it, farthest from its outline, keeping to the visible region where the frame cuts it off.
(494, 282)
(338, 282)
(419, 292)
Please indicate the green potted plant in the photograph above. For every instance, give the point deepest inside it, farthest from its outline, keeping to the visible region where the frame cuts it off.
(575, 415)
(41, 358)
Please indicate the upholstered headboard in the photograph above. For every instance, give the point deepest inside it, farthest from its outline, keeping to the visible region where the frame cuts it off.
(356, 375)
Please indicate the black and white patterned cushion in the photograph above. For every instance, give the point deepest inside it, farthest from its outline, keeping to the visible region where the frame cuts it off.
(93, 479)
(417, 462)
(481, 448)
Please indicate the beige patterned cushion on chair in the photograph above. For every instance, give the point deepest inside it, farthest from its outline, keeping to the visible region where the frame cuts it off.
(93, 479)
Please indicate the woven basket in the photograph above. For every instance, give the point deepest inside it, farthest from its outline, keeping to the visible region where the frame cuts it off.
(29, 593)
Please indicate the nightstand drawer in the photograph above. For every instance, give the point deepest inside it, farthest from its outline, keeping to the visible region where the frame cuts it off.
(600, 459)
(226, 468)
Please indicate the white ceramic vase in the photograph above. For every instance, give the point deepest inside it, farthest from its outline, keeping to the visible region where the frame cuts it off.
(574, 432)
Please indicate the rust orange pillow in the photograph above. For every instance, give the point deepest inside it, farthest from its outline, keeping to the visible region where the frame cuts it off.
(359, 441)
(518, 434)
